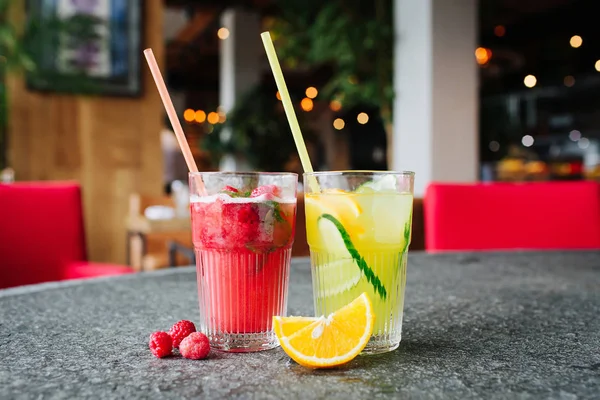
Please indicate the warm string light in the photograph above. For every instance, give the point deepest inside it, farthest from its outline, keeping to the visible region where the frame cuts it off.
(576, 41)
(223, 33)
(189, 115)
(306, 104)
(335, 105)
(212, 118)
(530, 81)
(339, 124)
(200, 116)
(362, 118)
(483, 55)
(311, 92)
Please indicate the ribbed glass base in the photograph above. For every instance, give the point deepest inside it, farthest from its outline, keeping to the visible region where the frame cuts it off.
(239, 293)
(243, 342)
(337, 281)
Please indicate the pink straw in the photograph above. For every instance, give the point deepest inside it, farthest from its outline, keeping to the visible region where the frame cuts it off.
(166, 99)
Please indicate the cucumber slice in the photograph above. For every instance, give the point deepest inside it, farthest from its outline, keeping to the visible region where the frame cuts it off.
(341, 275)
(331, 239)
(372, 278)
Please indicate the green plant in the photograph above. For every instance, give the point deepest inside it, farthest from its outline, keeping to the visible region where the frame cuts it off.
(257, 130)
(47, 38)
(13, 57)
(355, 38)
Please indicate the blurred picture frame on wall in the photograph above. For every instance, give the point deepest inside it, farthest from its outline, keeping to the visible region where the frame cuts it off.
(88, 47)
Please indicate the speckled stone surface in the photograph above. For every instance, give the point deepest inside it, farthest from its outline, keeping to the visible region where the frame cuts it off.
(489, 326)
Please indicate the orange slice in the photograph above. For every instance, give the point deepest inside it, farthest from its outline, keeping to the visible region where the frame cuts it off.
(327, 341)
(290, 325)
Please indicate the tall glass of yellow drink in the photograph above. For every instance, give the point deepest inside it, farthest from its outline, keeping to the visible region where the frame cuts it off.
(358, 226)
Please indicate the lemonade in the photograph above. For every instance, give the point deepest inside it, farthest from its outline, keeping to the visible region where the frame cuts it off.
(359, 238)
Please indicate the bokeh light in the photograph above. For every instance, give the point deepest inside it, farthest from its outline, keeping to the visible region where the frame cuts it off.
(527, 140)
(362, 118)
(306, 104)
(335, 105)
(213, 118)
(200, 116)
(339, 124)
(189, 115)
(223, 33)
(576, 41)
(311, 92)
(530, 81)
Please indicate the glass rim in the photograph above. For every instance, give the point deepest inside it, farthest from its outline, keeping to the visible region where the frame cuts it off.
(358, 173)
(243, 173)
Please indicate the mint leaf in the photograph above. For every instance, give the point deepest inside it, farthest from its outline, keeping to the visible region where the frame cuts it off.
(372, 278)
(408, 231)
(236, 194)
(276, 210)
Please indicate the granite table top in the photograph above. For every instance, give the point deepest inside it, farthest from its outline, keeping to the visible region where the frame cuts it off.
(477, 325)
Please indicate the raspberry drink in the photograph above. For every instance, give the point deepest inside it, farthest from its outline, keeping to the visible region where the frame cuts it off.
(243, 231)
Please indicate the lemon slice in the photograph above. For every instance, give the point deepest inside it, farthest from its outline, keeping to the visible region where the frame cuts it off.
(343, 207)
(329, 341)
(335, 202)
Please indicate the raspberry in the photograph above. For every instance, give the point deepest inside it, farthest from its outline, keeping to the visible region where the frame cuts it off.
(195, 346)
(273, 190)
(180, 331)
(161, 344)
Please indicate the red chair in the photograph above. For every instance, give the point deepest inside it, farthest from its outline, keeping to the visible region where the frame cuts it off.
(503, 216)
(42, 236)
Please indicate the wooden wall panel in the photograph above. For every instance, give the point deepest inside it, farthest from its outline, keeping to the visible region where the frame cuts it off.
(111, 145)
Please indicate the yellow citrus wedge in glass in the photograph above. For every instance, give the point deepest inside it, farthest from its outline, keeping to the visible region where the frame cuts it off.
(342, 206)
(327, 342)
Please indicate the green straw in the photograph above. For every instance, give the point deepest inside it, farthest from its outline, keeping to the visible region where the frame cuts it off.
(289, 109)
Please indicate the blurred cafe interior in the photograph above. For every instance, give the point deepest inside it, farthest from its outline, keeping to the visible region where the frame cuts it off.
(458, 91)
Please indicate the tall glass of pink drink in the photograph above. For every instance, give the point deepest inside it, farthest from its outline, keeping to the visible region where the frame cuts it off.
(243, 229)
